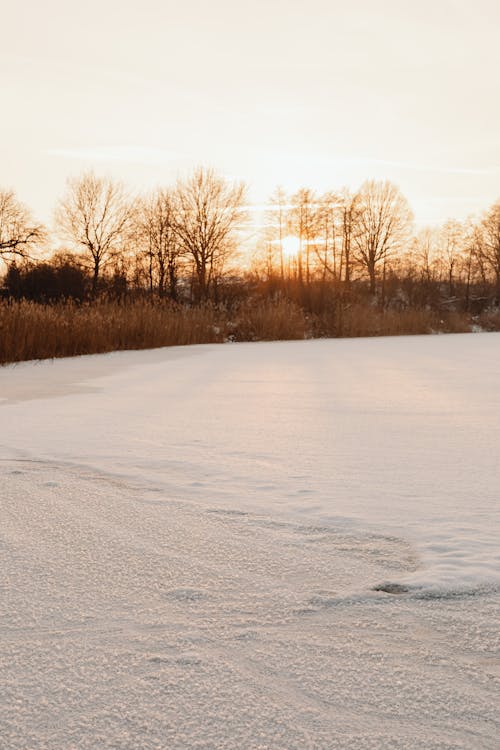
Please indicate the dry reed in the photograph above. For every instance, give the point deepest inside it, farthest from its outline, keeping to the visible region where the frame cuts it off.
(33, 331)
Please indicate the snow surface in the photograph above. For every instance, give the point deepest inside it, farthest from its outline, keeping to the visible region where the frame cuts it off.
(287, 545)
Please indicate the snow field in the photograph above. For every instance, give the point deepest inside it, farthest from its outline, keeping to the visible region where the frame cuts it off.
(190, 541)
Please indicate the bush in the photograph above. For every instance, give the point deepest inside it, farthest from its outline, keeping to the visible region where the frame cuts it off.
(46, 282)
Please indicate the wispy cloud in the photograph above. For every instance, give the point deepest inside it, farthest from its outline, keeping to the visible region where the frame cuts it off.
(413, 166)
(124, 154)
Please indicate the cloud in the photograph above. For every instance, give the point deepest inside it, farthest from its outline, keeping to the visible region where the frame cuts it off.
(421, 167)
(124, 154)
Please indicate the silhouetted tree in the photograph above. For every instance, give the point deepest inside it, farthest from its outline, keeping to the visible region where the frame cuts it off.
(326, 246)
(155, 230)
(94, 215)
(451, 244)
(349, 208)
(19, 233)
(209, 211)
(276, 219)
(59, 278)
(490, 245)
(425, 254)
(303, 217)
(384, 219)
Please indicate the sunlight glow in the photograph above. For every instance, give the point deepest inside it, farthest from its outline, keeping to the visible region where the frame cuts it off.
(291, 246)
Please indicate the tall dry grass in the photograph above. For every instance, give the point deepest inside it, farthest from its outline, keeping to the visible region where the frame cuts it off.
(32, 331)
(363, 320)
(489, 320)
(267, 320)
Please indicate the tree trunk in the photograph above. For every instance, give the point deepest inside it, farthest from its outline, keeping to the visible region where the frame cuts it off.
(172, 277)
(95, 277)
(373, 286)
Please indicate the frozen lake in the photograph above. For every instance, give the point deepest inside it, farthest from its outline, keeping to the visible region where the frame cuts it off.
(193, 543)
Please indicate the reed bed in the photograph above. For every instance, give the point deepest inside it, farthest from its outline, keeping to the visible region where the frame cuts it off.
(362, 320)
(33, 331)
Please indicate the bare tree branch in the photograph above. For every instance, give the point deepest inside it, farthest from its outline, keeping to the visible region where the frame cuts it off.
(19, 233)
(384, 220)
(95, 215)
(208, 213)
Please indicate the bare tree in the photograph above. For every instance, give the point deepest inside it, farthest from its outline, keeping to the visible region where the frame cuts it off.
(155, 229)
(326, 248)
(349, 208)
(209, 211)
(270, 242)
(304, 224)
(276, 219)
(425, 253)
(490, 245)
(19, 233)
(94, 215)
(472, 250)
(451, 242)
(384, 220)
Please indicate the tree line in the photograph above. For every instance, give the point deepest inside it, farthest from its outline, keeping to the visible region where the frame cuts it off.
(189, 230)
(349, 237)
(181, 243)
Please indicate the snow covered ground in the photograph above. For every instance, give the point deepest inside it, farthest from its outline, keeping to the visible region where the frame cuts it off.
(198, 545)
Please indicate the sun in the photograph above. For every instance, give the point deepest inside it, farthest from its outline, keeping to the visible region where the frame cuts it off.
(291, 246)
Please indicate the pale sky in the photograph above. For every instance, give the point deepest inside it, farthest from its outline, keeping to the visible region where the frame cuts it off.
(318, 93)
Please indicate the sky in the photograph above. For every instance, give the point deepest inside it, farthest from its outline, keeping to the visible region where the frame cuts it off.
(320, 94)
